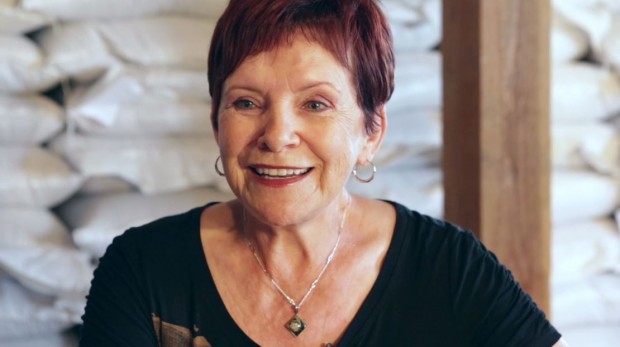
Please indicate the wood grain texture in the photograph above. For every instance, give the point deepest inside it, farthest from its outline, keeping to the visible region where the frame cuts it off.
(496, 131)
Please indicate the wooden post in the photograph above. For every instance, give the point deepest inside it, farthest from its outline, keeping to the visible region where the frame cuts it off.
(496, 131)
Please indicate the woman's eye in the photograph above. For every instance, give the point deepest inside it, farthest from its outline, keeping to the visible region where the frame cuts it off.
(244, 104)
(315, 106)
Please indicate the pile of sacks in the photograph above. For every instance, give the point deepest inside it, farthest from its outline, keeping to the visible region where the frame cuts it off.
(104, 124)
(586, 188)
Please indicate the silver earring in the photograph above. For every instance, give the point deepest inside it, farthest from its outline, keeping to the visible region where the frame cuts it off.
(217, 169)
(365, 180)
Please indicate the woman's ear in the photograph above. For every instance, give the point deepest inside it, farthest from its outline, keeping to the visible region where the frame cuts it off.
(374, 139)
(214, 124)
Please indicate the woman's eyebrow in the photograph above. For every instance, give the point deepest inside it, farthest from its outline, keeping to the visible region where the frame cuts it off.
(243, 87)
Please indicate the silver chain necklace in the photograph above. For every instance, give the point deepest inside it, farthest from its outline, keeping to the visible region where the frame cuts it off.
(296, 325)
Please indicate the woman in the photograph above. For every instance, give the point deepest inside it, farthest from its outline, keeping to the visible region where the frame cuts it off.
(298, 90)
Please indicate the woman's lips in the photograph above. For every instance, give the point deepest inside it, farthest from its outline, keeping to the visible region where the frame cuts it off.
(276, 173)
(279, 176)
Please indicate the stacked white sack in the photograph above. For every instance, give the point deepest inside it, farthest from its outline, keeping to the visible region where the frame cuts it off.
(408, 161)
(153, 164)
(23, 67)
(586, 241)
(584, 98)
(568, 41)
(137, 101)
(15, 20)
(610, 50)
(595, 18)
(82, 10)
(40, 268)
(140, 108)
(49, 277)
(96, 220)
(416, 25)
(139, 114)
(151, 101)
(414, 112)
(85, 50)
(40, 272)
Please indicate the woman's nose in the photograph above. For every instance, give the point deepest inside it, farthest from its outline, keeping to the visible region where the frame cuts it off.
(280, 131)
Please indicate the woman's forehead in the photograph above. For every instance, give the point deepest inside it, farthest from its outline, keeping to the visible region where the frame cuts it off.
(300, 61)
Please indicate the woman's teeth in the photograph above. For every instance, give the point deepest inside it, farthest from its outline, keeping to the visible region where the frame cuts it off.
(278, 173)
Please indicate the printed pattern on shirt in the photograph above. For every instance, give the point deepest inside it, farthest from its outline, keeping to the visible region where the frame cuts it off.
(170, 335)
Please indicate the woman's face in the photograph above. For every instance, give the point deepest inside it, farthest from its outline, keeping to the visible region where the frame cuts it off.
(290, 132)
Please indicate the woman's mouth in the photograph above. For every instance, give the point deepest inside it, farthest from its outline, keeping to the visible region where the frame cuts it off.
(279, 173)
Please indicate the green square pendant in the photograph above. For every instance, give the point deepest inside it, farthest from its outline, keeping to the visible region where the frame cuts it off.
(296, 325)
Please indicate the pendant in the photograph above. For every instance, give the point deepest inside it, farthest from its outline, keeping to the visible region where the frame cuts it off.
(296, 325)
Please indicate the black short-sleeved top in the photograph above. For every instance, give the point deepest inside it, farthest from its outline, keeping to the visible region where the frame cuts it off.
(438, 286)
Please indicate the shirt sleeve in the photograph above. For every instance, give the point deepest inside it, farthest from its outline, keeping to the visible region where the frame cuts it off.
(117, 310)
(491, 304)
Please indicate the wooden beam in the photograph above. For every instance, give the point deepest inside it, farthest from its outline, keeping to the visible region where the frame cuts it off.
(496, 131)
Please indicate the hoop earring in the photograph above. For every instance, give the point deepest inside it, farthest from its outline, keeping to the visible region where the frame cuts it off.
(365, 180)
(217, 169)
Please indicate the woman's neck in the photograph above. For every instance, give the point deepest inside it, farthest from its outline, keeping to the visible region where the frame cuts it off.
(296, 251)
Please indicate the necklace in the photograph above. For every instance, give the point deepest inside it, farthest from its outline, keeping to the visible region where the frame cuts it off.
(296, 325)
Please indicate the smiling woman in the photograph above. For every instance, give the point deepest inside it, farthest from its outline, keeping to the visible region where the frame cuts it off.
(299, 89)
(276, 110)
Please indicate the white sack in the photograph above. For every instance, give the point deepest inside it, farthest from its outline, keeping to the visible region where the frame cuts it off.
(582, 91)
(31, 228)
(53, 339)
(161, 41)
(23, 67)
(594, 19)
(105, 185)
(568, 41)
(587, 303)
(402, 13)
(154, 165)
(591, 335)
(582, 195)
(76, 50)
(134, 101)
(418, 127)
(400, 154)
(56, 271)
(586, 144)
(612, 5)
(28, 119)
(610, 50)
(413, 138)
(110, 9)
(24, 313)
(419, 34)
(411, 3)
(419, 189)
(584, 249)
(418, 82)
(34, 177)
(84, 50)
(15, 20)
(96, 220)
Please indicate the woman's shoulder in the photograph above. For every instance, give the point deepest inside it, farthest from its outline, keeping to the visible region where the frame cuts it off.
(413, 221)
(423, 234)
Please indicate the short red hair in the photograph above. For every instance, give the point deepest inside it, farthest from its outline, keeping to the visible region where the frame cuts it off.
(356, 32)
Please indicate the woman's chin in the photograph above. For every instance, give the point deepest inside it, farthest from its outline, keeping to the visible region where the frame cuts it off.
(279, 214)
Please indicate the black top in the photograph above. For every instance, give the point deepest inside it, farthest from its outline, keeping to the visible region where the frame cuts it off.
(438, 286)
